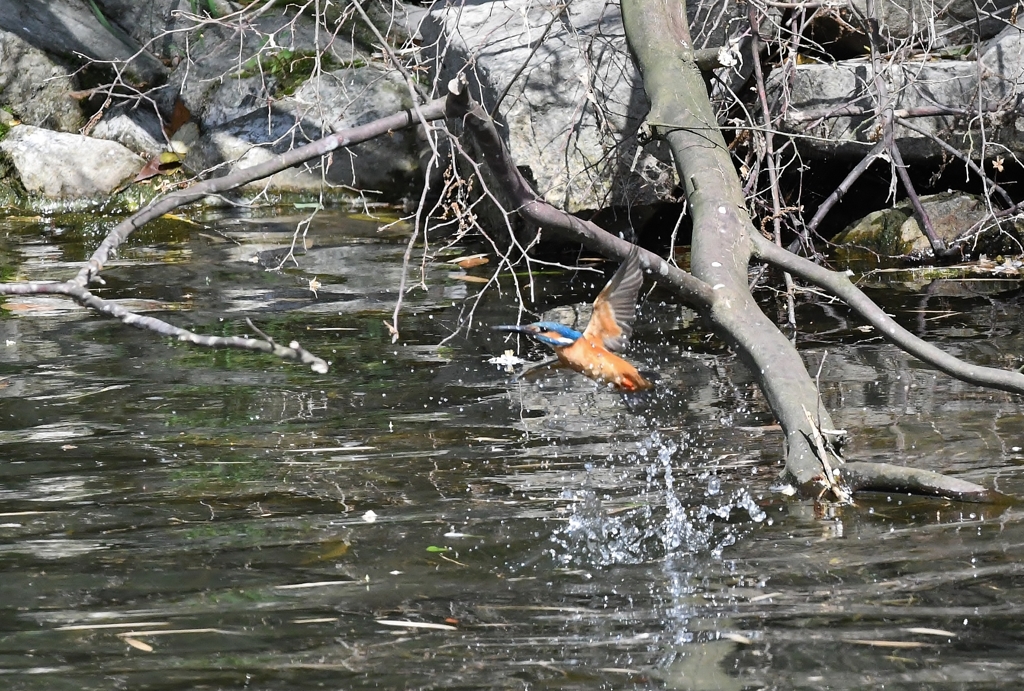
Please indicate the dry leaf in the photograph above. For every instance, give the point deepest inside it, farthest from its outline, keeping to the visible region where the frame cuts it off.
(468, 262)
(137, 644)
(179, 116)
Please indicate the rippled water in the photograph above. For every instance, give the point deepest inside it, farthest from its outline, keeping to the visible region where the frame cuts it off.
(176, 518)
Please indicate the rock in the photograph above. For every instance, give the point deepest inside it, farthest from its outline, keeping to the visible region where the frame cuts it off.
(161, 25)
(910, 22)
(889, 236)
(70, 29)
(223, 80)
(137, 129)
(815, 90)
(343, 98)
(572, 115)
(67, 166)
(876, 238)
(36, 87)
(951, 214)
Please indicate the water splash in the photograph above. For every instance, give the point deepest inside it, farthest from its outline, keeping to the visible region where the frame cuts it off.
(675, 512)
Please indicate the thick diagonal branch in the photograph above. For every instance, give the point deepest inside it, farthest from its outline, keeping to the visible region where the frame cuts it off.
(660, 39)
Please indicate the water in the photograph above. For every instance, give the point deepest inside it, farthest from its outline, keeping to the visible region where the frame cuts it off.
(178, 518)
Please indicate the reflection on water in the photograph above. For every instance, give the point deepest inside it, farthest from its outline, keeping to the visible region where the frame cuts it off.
(177, 518)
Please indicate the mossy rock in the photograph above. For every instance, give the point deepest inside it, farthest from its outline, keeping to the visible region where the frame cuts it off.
(892, 236)
(875, 240)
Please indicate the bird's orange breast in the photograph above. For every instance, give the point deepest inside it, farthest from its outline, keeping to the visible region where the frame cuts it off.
(589, 357)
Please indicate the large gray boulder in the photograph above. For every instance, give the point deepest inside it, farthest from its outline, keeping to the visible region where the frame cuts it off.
(36, 87)
(923, 23)
(59, 165)
(70, 29)
(570, 104)
(343, 98)
(992, 83)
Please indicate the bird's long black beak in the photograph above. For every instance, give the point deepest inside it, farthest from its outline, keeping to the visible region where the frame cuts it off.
(518, 328)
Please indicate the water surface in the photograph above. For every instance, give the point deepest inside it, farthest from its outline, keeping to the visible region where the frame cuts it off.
(174, 518)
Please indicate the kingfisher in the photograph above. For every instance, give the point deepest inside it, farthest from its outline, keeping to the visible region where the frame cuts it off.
(592, 353)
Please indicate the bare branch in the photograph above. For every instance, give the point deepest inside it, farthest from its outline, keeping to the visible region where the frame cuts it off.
(840, 285)
(112, 309)
(77, 288)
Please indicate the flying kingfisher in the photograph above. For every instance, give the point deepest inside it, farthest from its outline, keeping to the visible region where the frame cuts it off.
(592, 352)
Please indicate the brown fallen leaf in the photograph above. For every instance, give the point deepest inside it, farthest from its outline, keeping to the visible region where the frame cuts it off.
(179, 116)
(470, 279)
(469, 261)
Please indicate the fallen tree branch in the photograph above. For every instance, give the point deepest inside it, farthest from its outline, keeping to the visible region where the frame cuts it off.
(831, 475)
(839, 284)
(885, 477)
(659, 37)
(77, 287)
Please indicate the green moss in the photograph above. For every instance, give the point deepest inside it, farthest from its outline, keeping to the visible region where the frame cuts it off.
(291, 68)
(7, 117)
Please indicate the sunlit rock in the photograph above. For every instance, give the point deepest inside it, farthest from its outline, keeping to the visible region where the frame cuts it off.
(343, 98)
(574, 100)
(67, 166)
(72, 29)
(885, 237)
(820, 97)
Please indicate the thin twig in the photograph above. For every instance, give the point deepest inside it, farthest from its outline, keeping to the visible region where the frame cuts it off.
(769, 145)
